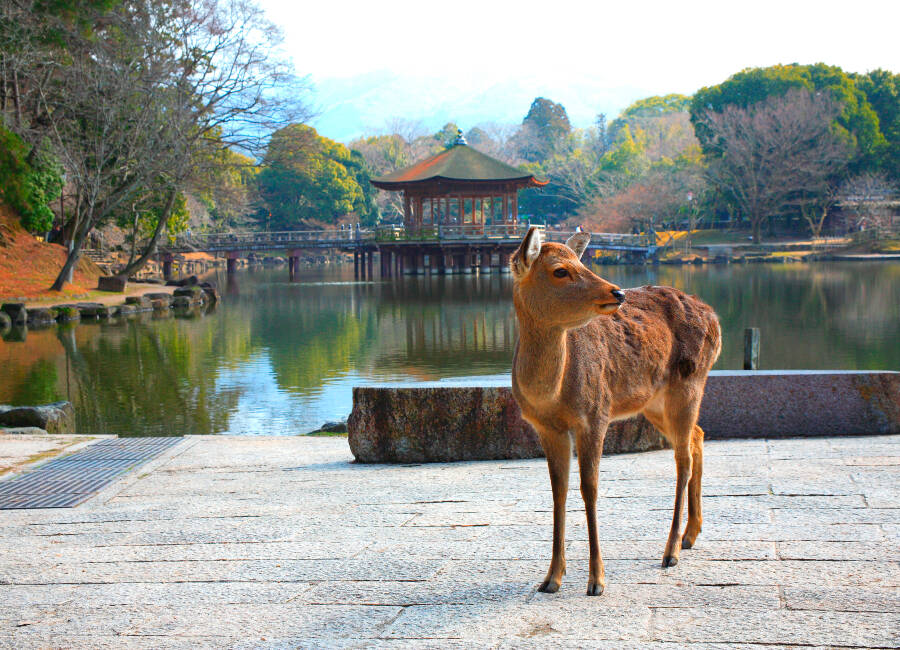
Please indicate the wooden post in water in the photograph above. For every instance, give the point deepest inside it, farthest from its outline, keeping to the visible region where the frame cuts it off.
(751, 348)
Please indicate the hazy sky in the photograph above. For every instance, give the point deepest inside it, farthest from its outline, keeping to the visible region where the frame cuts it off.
(460, 50)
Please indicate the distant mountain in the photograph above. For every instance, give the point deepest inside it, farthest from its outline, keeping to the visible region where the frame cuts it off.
(351, 106)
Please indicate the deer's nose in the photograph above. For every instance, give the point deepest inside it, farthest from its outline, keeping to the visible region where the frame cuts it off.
(619, 295)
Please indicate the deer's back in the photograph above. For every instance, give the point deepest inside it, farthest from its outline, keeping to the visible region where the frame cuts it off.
(658, 336)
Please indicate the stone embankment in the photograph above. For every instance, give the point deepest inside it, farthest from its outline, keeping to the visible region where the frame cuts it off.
(16, 317)
(439, 422)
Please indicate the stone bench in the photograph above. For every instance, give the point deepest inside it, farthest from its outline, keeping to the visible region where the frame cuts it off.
(446, 421)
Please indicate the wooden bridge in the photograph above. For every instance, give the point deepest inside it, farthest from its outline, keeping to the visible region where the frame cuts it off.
(401, 251)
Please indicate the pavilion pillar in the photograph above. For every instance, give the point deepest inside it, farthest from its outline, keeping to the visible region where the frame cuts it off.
(167, 267)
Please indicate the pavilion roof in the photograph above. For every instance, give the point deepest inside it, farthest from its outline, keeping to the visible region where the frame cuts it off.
(458, 163)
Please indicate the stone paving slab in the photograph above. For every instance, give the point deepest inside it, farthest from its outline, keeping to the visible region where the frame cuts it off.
(283, 542)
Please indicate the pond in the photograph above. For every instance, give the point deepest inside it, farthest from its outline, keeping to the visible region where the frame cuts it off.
(280, 358)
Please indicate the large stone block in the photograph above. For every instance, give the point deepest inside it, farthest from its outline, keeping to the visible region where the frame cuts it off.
(434, 422)
(439, 424)
(780, 403)
(58, 417)
(116, 283)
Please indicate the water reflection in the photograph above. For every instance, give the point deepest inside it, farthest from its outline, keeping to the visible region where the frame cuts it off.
(280, 356)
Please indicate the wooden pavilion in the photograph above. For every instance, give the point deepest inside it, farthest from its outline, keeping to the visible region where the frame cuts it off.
(459, 186)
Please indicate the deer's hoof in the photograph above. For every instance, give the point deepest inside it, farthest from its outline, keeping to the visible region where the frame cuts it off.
(686, 543)
(595, 588)
(549, 587)
(669, 560)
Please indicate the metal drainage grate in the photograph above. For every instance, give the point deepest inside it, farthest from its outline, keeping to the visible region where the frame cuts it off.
(66, 482)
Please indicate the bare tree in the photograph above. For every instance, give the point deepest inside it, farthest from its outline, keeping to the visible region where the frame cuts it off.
(771, 155)
(870, 200)
(145, 102)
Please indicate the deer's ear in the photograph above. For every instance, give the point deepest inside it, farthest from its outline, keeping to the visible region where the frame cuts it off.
(579, 243)
(527, 253)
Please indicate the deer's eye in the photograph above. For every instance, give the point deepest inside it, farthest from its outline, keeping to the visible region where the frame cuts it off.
(560, 272)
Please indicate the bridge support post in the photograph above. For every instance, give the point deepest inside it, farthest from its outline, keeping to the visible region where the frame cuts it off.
(371, 264)
(485, 263)
(441, 260)
(356, 265)
(459, 261)
(231, 259)
(398, 263)
(504, 262)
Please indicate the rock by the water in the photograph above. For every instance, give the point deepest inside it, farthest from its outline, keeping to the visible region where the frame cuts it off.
(183, 302)
(58, 417)
(67, 313)
(94, 310)
(16, 312)
(23, 431)
(333, 427)
(437, 424)
(115, 283)
(191, 291)
(161, 304)
(126, 310)
(41, 316)
(141, 303)
(5, 323)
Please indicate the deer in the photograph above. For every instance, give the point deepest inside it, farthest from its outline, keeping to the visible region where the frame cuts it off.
(589, 353)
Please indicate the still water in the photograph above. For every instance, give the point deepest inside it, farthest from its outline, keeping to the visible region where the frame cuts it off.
(280, 358)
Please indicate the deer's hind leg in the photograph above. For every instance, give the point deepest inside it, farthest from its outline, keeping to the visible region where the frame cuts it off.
(676, 421)
(695, 513)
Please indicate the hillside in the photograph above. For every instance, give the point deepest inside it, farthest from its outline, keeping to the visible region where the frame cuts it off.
(28, 267)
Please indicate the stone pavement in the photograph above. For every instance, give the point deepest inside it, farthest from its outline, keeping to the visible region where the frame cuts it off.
(282, 542)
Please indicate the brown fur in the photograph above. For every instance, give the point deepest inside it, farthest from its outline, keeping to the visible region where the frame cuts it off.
(582, 361)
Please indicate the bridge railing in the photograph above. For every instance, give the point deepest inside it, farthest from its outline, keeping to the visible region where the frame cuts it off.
(202, 241)
(388, 233)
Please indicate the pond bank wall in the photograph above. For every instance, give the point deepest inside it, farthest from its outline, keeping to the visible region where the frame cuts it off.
(440, 422)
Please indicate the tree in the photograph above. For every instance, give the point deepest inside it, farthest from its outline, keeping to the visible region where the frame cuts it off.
(854, 118)
(544, 128)
(134, 95)
(773, 154)
(882, 89)
(658, 105)
(308, 179)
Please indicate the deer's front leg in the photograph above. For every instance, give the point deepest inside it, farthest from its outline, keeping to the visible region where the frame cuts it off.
(589, 443)
(558, 450)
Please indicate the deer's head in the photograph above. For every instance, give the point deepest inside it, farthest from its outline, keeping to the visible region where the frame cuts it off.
(553, 288)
